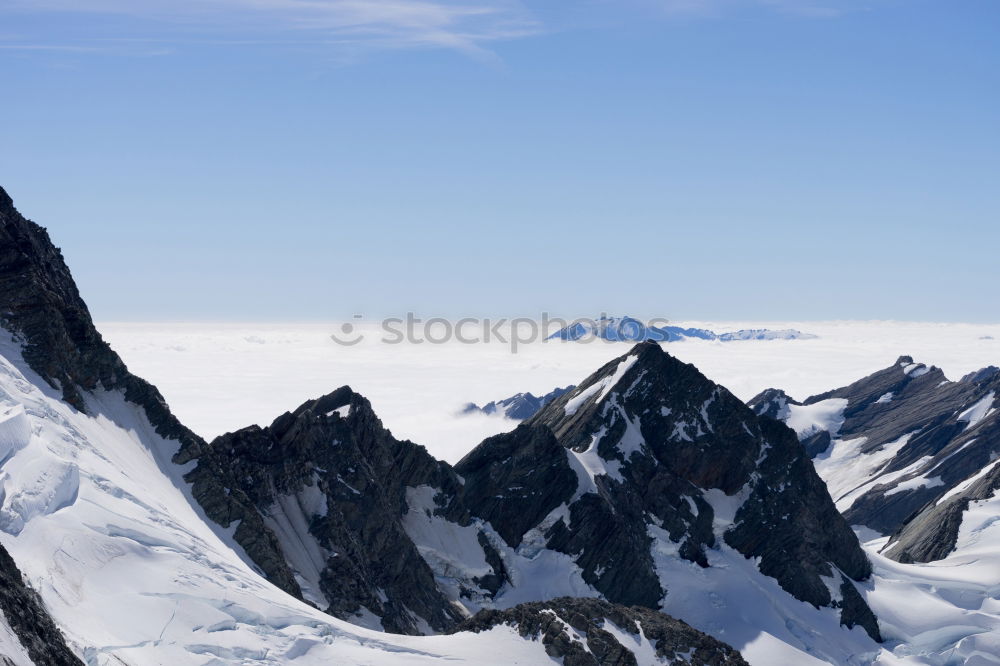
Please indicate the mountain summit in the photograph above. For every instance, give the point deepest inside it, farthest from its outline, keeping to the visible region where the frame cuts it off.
(653, 457)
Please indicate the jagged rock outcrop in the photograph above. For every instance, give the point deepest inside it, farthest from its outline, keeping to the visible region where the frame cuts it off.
(892, 444)
(591, 632)
(517, 407)
(652, 442)
(331, 484)
(24, 613)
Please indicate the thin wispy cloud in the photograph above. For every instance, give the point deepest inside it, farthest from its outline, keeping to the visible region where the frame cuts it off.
(465, 25)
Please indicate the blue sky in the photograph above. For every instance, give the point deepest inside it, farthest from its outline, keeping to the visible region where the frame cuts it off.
(690, 159)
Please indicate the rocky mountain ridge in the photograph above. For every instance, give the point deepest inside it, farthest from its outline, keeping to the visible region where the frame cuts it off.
(894, 445)
(645, 455)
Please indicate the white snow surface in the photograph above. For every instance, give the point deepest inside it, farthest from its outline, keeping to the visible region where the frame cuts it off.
(884, 398)
(978, 411)
(600, 388)
(942, 613)
(456, 558)
(849, 473)
(807, 420)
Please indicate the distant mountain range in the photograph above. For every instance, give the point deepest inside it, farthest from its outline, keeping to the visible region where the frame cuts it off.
(627, 329)
(517, 407)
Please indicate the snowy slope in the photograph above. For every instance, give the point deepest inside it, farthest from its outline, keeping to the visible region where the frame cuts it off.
(943, 613)
(95, 514)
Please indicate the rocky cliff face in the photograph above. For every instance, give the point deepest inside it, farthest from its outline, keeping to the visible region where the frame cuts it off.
(590, 632)
(40, 304)
(893, 444)
(330, 483)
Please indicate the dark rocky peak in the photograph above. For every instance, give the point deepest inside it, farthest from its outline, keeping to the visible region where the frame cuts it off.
(988, 374)
(41, 306)
(772, 403)
(320, 496)
(684, 414)
(592, 632)
(904, 377)
(661, 454)
(518, 478)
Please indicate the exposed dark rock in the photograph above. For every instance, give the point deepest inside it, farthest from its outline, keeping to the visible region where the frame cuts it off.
(332, 466)
(519, 478)
(31, 623)
(945, 433)
(576, 632)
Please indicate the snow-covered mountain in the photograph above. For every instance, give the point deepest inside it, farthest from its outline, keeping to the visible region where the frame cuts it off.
(647, 485)
(119, 546)
(627, 329)
(321, 538)
(659, 484)
(517, 407)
